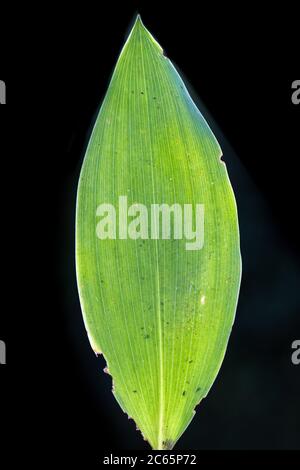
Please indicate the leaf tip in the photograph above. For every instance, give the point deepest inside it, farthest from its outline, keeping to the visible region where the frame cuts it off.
(138, 23)
(138, 20)
(143, 32)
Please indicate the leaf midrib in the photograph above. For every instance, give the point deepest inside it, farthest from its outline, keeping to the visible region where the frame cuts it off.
(158, 309)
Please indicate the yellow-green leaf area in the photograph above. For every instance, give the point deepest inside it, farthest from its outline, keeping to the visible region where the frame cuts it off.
(160, 313)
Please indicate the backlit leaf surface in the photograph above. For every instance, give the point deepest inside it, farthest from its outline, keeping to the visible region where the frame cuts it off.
(160, 314)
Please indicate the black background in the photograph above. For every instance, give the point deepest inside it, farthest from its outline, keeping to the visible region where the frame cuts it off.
(57, 65)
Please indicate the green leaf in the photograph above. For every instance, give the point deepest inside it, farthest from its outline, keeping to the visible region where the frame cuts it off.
(160, 310)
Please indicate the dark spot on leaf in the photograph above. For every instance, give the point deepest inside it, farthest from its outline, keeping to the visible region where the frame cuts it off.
(134, 391)
(147, 336)
(190, 361)
(198, 389)
(183, 393)
(142, 92)
(168, 444)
